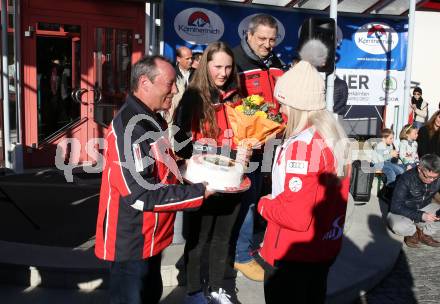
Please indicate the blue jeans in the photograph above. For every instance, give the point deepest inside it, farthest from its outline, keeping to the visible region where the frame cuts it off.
(391, 171)
(136, 282)
(417, 124)
(245, 220)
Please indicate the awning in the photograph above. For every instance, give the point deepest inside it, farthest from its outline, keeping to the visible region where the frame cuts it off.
(381, 7)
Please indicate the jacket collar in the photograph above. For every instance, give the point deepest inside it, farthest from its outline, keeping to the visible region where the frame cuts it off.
(140, 108)
(179, 73)
(414, 173)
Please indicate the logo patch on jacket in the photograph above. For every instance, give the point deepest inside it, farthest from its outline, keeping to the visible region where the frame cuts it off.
(137, 155)
(295, 184)
(253, 76)
(336, 231)
(297, 166)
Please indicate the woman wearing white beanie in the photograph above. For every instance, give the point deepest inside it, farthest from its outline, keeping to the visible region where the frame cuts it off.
(310, 184)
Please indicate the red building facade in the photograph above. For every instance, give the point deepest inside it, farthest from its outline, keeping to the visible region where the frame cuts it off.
(76, 58)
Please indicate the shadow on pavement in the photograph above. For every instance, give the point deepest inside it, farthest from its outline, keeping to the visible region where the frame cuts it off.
(397, 287)
(65, 213)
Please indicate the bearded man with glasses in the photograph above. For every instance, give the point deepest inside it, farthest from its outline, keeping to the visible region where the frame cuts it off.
(413, 212)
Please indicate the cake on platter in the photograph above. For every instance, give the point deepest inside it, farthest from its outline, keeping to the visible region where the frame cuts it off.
(220, 172)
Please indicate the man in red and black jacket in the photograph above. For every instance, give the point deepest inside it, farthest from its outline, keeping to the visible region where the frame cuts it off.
(258, 69)
(140, 187)
(257, 65)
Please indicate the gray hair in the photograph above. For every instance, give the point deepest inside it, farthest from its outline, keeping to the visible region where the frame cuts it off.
(147, 66)
(262, 19)
(430, 162)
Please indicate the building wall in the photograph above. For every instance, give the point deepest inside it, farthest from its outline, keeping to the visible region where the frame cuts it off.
(426, 57)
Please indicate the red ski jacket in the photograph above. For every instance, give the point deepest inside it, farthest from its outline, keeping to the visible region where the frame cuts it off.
(257, 76)
(306, 211)
(140, 189)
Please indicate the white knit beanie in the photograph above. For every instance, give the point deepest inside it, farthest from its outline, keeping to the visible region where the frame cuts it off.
(302, 87)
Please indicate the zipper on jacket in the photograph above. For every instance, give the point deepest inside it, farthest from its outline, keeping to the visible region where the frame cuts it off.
(156, 224)
(277, 238)
(270, 82)
(426, 190)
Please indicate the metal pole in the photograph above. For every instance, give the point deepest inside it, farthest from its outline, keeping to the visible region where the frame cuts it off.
(5, 80)
(153, 36)
(407, 88)
(331, 78)
(147, 28)
(18, 147)
(161, 42)
(17, 61)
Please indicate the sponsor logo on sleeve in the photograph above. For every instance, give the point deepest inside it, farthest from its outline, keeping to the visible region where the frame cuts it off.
(336, 231)
(297, 166)
(295, 184)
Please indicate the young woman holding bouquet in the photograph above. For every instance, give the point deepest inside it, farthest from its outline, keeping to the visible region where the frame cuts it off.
(310, 183)
(200, 116)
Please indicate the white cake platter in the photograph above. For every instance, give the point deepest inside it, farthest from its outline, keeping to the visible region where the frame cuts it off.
(244, 186)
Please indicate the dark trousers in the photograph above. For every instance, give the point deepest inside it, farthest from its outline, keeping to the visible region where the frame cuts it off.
(246, 217)
(302, 283)
(215, 218)
(136, 282)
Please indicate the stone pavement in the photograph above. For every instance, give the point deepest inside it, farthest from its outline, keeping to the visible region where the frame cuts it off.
(59, 255)
(415, 278)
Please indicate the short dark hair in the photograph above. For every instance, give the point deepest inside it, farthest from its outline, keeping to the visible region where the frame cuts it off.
(430, 162)
(197, 56)
(262, 19)
(147, 66)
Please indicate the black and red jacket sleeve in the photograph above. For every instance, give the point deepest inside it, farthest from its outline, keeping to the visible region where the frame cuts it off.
(145, 182)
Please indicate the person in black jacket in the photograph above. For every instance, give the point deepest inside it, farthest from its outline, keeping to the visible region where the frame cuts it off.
(429, 136)
(141, 187)
(258, 68)
(413, 214)
(340, 97)
(202, 122)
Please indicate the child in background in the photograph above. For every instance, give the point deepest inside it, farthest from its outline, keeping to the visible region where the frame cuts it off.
(387, 156)
(419, 107)
(408, 146)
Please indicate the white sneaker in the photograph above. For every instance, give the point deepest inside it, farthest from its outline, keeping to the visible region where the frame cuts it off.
(220, 297)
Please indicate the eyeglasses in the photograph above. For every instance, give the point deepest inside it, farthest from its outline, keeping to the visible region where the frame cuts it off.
(431, 178)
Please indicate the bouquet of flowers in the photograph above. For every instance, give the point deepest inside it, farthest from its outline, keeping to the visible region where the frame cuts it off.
(253, 119)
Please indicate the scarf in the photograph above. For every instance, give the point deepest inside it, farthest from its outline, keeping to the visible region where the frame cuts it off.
(418, 102)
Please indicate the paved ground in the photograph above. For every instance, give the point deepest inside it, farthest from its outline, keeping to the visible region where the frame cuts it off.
(57, 209)
(415, 278)
(44, 208)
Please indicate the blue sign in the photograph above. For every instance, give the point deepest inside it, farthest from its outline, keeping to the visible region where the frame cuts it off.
(378, 43)
(364, 43)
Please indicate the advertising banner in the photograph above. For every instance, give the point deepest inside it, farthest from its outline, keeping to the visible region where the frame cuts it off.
(373, 87)
(370, 51)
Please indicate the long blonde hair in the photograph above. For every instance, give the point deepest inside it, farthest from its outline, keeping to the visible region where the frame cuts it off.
(330, 130)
